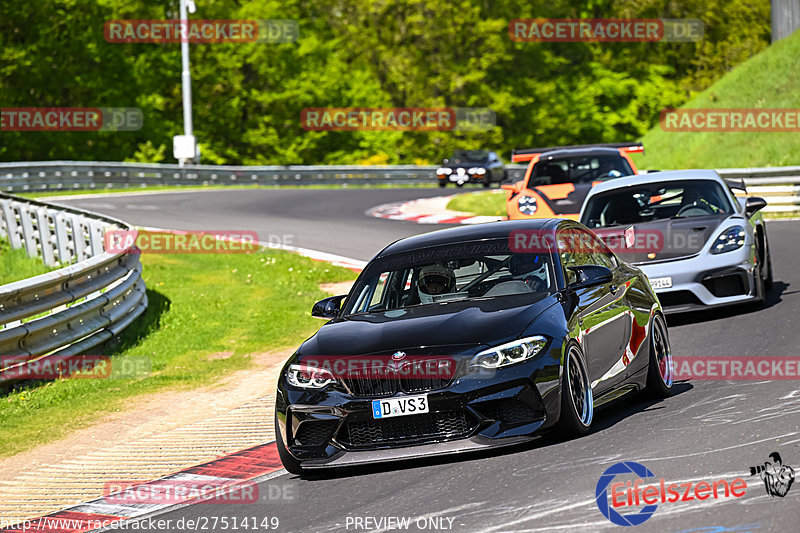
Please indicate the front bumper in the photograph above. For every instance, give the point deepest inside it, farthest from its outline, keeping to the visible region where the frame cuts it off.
(480, 410)
(707, 280)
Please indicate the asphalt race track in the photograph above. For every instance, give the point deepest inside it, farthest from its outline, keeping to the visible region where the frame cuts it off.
(328, 220)
(706, 431)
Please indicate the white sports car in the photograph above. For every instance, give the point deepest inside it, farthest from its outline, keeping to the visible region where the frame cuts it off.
(698, 243)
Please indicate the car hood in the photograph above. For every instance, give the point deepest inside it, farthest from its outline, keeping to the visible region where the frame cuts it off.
(455, 325)
(664, 240)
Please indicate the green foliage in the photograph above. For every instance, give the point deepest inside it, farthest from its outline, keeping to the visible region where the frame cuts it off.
(147, 153)
(247, 98)
(769, 80)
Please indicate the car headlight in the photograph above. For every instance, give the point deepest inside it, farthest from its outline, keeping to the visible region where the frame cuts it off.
(472, 170)
(527, 205)
(731, 239)
(308, 377)
(444, 171)
(510, 353)
(480, 171)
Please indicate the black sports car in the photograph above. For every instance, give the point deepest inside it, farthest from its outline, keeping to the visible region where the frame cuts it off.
(471, 166)
(467, 338)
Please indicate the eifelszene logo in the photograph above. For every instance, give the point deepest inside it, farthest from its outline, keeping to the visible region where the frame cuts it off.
(634, 494)
(777, 477)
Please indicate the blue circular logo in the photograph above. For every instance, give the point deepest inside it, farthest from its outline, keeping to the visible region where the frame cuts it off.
(601, 494)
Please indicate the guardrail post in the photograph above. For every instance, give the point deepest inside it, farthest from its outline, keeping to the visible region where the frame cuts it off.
(45, 237)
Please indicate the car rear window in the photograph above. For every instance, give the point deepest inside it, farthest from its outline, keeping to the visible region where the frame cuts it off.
(579, 169)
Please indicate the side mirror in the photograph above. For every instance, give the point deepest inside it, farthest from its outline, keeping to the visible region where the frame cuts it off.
(589, 276)
(328, 308)
(513, 187)
(753, 205)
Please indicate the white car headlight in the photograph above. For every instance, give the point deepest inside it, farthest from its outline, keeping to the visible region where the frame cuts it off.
(444, 171)
(731, 239)
(527, 205)
(308, 377)
(510, 353)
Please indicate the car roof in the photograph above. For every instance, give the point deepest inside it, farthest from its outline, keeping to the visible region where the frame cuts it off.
(469, 233)
(650, 178)
(566, 152)
(656, 177)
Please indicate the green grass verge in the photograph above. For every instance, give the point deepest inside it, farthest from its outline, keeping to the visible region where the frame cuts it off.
(199, 305)
(169, 188)
(16, 265)
(771, 79)
(489, 203)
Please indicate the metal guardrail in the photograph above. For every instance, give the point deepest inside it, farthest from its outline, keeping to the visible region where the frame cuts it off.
(69, 310)
(66, 175)
(69, 175)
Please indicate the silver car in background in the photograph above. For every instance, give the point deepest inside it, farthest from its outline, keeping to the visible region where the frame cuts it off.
(698, 243)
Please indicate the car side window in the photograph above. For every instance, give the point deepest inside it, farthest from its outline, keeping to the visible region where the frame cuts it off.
(578, 247)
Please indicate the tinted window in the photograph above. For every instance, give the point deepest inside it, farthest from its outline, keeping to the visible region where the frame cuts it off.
(578, 247)
(470, 156)
(448, 274)
(579, 169)
(645, 203)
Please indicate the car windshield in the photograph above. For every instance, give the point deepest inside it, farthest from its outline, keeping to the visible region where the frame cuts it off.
(470, 156)
(657, 201)
(450, 274)
(579, 169)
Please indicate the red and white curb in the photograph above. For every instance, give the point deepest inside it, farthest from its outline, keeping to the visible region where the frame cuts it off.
(409, 211)
(226, 472)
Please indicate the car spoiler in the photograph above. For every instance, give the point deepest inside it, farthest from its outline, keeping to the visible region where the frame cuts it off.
(736, 184)
(526, 154)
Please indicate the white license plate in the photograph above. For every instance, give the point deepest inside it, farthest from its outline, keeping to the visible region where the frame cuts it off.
(661, 283)
(407, 405)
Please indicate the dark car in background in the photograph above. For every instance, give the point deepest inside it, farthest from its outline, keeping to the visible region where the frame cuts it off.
(468, 338)
(471, 166)
(558, 178)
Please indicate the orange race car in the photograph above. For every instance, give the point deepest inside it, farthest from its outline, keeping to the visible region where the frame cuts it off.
(558, 178)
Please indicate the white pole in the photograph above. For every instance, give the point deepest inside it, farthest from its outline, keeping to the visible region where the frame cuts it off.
(186, 76)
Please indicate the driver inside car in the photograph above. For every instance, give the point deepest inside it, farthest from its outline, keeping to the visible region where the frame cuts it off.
(434, 280)
(693, 197)
(528, 268)
(607, 169)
